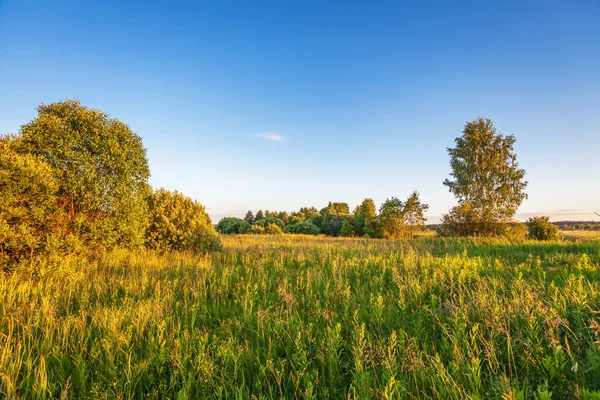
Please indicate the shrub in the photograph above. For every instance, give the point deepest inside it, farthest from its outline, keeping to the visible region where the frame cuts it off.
(516, 232)
(232, 225)
(306, 228)
(257, 229)
(462, 220)
(179, 223)
(273, 229)
(27, 199)
(540, 228)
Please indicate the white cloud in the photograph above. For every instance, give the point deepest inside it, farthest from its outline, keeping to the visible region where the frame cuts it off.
(272, 136)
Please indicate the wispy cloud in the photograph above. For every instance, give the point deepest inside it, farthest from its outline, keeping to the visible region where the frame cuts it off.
(272, 136)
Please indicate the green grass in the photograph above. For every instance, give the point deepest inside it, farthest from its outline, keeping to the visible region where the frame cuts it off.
(308, 317)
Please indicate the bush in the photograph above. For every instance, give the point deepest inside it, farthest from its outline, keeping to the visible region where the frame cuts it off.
(462, 220)
(179, 223)
(516, 232)
(257, 229)
(27, 200)
(540, 228)
(273, 229)
(232, 225)
(306, 228)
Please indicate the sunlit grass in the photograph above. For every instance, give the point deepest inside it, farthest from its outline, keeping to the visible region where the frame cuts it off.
(582, 235)
(308, 317)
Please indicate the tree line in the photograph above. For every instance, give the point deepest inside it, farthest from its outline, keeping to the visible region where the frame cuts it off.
(75, 178)
(395, 219)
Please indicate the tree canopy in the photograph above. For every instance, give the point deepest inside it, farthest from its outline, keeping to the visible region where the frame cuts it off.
(101, 169)
(486, 178)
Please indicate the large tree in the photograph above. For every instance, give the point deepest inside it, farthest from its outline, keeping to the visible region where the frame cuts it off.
(101, 169)
(486, 178)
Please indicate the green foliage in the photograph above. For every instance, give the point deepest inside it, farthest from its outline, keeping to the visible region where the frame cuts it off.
(27, 203)
(270, 220)
(101, 170)
(365, 219)
(516, 232)
(307, 317)
(392, 220)
(249, 218)
(232, 225)
(486, 181)
(305, 227)
(414, 211)
(347, 228)
(540, 228)
(178, 222)
(259, 216)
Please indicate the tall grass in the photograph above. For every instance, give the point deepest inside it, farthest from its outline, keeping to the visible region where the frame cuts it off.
(307, 317)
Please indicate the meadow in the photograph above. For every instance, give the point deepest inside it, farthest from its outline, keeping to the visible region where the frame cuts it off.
(297, 316)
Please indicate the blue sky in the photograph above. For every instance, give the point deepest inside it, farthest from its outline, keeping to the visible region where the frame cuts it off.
(278, 105)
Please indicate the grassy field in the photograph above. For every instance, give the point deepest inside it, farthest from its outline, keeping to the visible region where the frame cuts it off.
(582, 235)
(307, 317)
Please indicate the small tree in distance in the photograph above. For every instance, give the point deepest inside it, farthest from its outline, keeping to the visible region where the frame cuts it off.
(392, 222)
(414, 211)
(249, 217)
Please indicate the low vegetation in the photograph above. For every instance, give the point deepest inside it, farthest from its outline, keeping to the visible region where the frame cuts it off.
(296, 316)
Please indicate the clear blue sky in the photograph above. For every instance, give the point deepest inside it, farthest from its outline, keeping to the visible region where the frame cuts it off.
(365, 96)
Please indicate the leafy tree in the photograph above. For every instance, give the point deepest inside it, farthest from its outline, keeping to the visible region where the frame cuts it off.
(284, 216)
(249, 217)
(540, 228)
(392, 220)
(257, 229)
(101, 170)
(487, 180)
(347, 228)
(178, 222)
(305, 227)
(336, 209)
(308, 212)
(331, 218)
(414, 211)
(233, 225)
(259, 216)
(270, 220)
(27, 200)
(365, 218)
